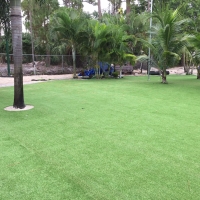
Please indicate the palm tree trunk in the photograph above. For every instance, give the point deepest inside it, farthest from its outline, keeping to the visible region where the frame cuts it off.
(120, 72)
(16, 27)
(67, 3)
(99, 8)
(74, 60)
(164, 76)
(47, 60)
(128, 7)
(192, 69)
(198, 72)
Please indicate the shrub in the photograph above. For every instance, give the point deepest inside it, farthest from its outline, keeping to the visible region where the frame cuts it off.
(115, 74)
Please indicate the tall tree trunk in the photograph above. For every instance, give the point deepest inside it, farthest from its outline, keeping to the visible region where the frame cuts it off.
(32, 42)
(128, 7)
(149, 5)
(47, 40)
(198, 72)
(192, 69)
(120, 71)
(67, 3)
(74, 60)
(164, 76)
(47, 60)
(16, 27)
(141, 67)
(99, 8)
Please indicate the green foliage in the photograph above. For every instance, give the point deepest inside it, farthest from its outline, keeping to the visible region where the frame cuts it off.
(69, 26)
(195, 42)
(169, 37)
(137, 25)
(115, 74)
(40, 13)
(5, 18)
(3, 44)
(26, 43)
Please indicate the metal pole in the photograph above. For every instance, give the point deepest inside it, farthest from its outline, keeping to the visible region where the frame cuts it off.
(149, 63)
(62, 64)
(7, 56)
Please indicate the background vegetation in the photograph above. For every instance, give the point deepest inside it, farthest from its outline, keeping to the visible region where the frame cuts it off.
(41, 18)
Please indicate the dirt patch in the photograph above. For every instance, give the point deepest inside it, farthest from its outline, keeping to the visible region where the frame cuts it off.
(9, 81)
(174, 70)
(29, 79)
(39, 69)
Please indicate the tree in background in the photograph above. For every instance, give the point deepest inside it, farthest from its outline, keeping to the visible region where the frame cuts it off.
(78, 4)
(168, 38)
(115, 5)
(37, 22)
(120, 53)
(5, 22)
(195, 41)
(68, 24)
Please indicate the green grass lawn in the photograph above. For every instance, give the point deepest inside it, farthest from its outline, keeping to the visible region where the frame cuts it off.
(102, 139)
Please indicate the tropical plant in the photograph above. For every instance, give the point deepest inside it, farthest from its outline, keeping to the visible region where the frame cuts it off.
(69, 26)
(120, 52)
(5, 22)
(168, 38)
(37, 22)
(195, 41)
(137, 26)
(99, 43)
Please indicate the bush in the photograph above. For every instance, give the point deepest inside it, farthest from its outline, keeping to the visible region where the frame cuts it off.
(115, 74)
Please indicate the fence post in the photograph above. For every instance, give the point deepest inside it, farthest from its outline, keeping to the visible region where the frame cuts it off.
(62, 64)
(8, 57)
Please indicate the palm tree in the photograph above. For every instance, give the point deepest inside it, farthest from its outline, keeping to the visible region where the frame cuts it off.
(195, 41)
(69, 26)
(137, 25)
(168, 40)
(107, 41)
(97, 43)
(120, 53)
(16, 26)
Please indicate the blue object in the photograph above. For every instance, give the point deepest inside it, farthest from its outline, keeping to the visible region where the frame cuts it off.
(89, 72)
(103, 68)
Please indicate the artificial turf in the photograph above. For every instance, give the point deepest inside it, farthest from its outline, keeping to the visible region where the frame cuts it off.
(102, 139)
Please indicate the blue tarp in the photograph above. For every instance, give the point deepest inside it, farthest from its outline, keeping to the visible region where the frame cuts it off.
(104, 67)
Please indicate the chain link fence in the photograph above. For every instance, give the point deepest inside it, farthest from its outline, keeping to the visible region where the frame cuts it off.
(43, 64)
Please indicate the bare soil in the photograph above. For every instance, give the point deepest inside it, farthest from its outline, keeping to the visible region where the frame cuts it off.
(9, 81)
(39, 69)
(58, 73)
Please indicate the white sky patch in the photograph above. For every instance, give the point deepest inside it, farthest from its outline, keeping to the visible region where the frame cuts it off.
(105, 6)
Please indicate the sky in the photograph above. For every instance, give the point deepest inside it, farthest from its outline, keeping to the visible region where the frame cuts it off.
(90, 8)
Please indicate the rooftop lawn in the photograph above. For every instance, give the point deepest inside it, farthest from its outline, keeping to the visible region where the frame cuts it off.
(110, 139)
